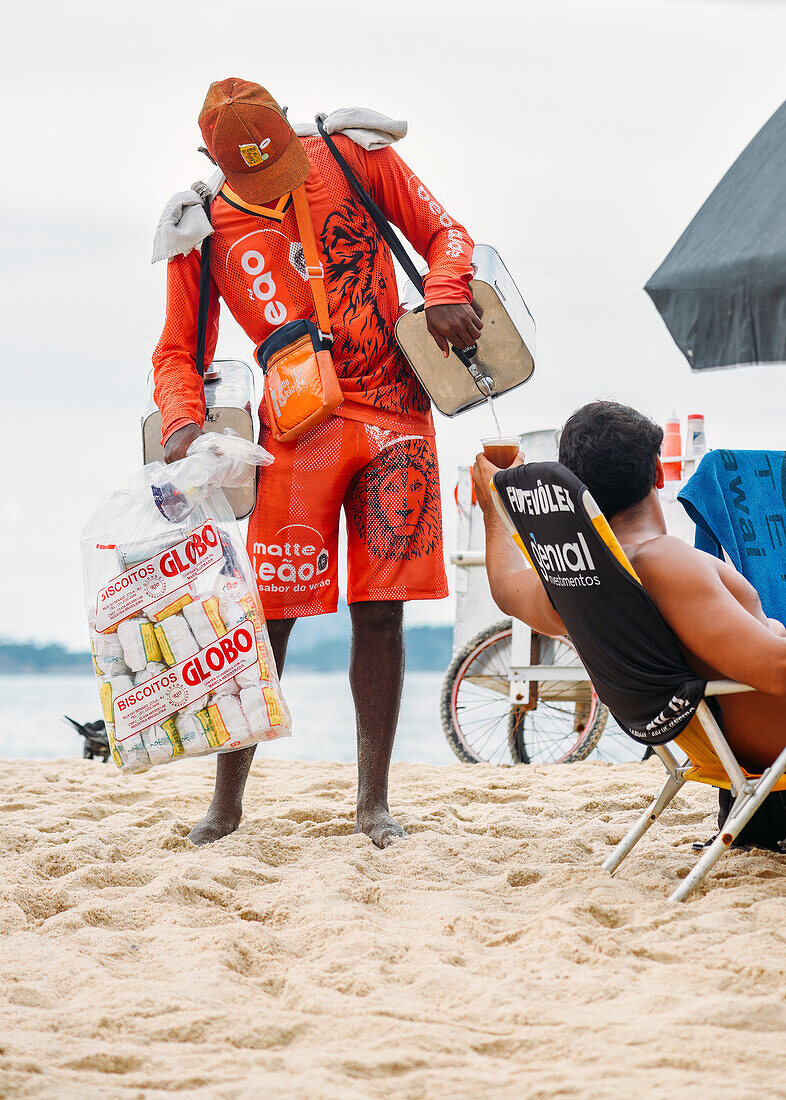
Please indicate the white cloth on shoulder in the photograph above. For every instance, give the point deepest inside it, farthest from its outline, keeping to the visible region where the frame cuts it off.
(365, 127)
(183, 224)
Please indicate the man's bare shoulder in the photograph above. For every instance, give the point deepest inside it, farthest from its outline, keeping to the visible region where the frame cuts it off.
(668, 559)
(674, 572)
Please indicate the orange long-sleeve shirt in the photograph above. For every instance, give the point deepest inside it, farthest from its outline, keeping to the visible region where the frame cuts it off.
(257, 268)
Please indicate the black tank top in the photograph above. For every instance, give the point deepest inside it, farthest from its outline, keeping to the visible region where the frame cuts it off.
(633, 658)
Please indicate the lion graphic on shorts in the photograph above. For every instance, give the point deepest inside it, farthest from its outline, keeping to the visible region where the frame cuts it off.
(396, 507)
(352, 246)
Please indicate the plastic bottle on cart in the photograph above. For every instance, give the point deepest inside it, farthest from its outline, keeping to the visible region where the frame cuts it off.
(695, 443)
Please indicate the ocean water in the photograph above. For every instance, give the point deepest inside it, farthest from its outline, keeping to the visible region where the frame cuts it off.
(323, 718)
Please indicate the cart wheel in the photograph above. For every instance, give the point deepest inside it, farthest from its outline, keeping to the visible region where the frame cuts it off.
(560, 725)
(567, 719)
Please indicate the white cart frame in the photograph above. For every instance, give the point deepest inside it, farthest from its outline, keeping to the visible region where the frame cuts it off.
(475, 609)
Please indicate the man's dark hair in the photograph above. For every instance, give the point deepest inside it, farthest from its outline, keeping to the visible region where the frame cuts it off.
(613, 450)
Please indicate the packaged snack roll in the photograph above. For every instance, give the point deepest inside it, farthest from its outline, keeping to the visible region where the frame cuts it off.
(133, 753)
(249, 676)
(110, 733)
(260, 670)
(108, 691)
(231, 611)
(164, 608)
(229, 586)
(253, 703)
(137, 550)
(251, 607)
(138, 639)
(151, 669)
(175, 639)
(129, 753)
(159, 747)
(229, 722)
(191, 730)
(261, 707)
(107, 654)
(204, 619)
(162, 741)
(169, 727)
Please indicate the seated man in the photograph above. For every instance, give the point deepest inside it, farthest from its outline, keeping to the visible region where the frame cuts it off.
(714, 612)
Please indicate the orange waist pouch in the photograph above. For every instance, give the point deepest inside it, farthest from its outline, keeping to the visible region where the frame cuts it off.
(301, 385)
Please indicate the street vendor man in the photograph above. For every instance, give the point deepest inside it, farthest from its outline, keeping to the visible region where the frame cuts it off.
(375, 455)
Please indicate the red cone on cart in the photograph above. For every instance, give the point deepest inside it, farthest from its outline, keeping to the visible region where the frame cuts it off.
(672, 446)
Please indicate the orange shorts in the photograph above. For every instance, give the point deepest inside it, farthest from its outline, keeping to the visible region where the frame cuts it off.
(388, 485)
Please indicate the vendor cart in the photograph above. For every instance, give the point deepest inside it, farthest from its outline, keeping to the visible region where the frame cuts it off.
(511, 695)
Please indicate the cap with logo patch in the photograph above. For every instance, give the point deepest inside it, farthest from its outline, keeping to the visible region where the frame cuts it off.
(248, 136)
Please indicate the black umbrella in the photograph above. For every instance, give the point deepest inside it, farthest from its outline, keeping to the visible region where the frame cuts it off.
(722, 288)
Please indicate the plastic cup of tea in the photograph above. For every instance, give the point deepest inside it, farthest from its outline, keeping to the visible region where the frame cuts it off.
(502, 451)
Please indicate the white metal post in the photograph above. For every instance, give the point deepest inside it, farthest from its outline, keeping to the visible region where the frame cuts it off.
(521, 654)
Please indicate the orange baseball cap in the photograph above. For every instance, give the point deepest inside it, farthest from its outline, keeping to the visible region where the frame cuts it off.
(248, 136)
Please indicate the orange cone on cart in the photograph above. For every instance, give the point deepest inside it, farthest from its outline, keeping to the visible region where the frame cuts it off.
(672, 446)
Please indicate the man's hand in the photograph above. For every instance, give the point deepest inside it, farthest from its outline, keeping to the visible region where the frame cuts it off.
(459, 325)
(179, 442)
(482, 473)
(515, 588)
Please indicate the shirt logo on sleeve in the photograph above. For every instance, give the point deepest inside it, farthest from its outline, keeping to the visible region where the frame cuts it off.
(444, 218)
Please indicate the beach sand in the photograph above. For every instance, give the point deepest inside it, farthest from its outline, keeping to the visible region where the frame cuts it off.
(488, 956)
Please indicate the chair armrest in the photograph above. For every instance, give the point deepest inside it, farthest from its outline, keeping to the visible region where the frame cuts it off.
(726, 687)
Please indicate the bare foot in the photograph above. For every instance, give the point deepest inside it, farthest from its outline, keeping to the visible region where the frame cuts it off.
(214, 825)
(378, 824)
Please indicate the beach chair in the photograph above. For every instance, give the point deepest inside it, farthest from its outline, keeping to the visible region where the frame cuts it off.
(633, 658)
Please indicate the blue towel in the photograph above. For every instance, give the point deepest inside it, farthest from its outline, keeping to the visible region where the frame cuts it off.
(737, 499)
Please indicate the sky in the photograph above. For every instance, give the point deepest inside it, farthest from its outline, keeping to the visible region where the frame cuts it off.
(579, 138)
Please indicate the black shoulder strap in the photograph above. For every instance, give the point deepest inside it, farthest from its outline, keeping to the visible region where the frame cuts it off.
(383, 225)
(204, 284)
(396, 247)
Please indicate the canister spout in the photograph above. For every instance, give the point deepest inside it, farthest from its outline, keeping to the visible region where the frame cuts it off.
(484, 382)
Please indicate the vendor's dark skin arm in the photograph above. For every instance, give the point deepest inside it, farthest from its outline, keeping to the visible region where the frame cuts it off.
(178, 443)
(515, 587)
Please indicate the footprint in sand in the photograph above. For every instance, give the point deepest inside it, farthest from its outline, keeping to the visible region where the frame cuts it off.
(523, 876)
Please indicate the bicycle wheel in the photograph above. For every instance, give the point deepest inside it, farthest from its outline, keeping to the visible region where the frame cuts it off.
(475, 701)
(564, 719)
(617, 747)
